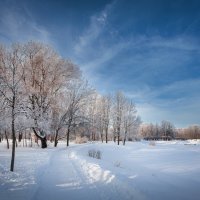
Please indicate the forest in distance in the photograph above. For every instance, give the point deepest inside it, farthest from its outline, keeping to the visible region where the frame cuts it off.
(45, 97)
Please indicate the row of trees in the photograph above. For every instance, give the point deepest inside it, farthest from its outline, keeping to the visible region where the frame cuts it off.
(46, 94)
(165, 131)
(31, 76)
(191, 132)
(112, 117)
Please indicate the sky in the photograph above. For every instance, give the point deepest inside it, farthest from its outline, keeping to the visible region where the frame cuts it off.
(149, 49)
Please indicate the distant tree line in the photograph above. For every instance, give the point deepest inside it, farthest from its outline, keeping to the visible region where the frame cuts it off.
(164, 131)
(191, 132)
(167, 131)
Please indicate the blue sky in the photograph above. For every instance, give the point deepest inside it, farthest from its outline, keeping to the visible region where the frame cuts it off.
(150, 49)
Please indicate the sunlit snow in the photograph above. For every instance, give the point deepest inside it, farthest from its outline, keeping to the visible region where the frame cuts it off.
(168, 170)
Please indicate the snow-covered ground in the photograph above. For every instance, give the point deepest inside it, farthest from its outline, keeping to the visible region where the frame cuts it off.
(166, 170)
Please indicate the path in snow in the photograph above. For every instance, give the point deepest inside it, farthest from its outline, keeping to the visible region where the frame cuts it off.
(68, 176)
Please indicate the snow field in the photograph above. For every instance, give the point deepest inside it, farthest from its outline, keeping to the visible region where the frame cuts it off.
(168, 170)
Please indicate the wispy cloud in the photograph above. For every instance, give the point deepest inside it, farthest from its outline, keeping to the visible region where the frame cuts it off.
(17, 24)
(177, 102)
(115, 51)
(153, 70)
(183, 115)
(92, 35)
(95, 28)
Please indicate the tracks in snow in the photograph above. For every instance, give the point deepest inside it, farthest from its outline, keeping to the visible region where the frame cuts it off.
(68, 175)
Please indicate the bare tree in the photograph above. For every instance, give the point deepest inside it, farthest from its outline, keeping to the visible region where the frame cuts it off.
(72, 111)
(106, 109)
(92, 115)
(130, 118)
(100, 117)
(164, 131)
(119, 104)
(191, 132)
(45, 75)
(7, 140)
(11, 73)
(99, 113)
(167, 129)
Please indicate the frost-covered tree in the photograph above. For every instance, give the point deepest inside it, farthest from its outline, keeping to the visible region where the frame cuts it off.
(164, 131)
(99, 113)
(11, 87)
(71, 113)
(92, 115)
(100, 117)
(167, 129)
(130, 119)
(125, 120)
(118, 110)
(191, 132)
(45, 75)
(106, 110)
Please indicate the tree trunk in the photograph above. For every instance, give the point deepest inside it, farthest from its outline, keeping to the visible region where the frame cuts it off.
(101, 137)
(68, 131)
(42, 139)
(6, 136)
(124, 138)
(114, 138)
(118, 135)
(20, 137)
(31, 140)
(124, 141)
(106, 135)
(43, 142)
(56, 139)
(91, 136)
(13, 138)
(25, 139)
(55, 143)
(68, 137)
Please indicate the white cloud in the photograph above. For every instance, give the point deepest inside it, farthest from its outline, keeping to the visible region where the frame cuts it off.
(182, 110)
(149, 57)
(181, 116)
(18, 25)
(93, 31)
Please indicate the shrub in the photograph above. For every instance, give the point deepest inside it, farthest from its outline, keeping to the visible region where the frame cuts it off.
(152, 143)
(117, 164)
(94, 153)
